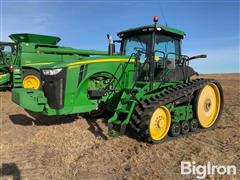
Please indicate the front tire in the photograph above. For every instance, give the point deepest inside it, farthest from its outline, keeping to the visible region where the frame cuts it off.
(31, 79)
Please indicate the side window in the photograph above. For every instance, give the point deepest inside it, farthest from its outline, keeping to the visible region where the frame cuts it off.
(167, 46)
(7, 49)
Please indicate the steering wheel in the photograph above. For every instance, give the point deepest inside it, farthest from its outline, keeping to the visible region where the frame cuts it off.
(139, 49)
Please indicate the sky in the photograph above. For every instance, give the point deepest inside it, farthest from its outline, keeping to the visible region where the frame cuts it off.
(211, 27)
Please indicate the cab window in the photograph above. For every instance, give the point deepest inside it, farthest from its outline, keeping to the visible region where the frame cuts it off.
(6, 49)
(167, 47)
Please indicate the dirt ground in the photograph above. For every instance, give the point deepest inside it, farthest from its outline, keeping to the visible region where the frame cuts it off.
(76, 148)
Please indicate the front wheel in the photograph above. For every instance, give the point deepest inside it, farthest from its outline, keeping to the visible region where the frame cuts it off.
(31, 79)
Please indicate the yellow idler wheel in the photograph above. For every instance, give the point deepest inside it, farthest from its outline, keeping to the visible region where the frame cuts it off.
(159, 123)
(208, 105)
(31, 81)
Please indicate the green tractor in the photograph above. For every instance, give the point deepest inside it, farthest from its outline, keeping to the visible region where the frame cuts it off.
(148, 87)
(20, 60)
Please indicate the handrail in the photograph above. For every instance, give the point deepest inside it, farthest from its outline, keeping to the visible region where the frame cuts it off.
(118, 80)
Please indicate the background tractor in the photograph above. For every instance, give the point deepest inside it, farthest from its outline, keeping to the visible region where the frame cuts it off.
(20, 61)
(148, 87)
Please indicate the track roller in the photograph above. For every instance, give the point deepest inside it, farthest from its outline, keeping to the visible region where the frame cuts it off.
(193, 124)
(185, 127)
(175, 129)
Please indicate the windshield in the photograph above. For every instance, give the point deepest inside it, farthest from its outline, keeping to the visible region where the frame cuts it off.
(134, 43)
(164, 46)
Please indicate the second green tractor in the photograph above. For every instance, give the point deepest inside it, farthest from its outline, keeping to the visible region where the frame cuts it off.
(148, 87)
(21, 60)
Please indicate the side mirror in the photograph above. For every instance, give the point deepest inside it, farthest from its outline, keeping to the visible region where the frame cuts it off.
(202, 56)
(111, 45)
(198, 56)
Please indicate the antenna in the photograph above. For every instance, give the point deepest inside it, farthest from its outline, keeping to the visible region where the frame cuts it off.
(163, 15)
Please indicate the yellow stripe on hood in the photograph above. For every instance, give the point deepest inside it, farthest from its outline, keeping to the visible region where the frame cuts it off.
(100, 61)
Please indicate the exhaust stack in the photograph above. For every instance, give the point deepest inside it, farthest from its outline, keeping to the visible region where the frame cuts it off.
(111, 45)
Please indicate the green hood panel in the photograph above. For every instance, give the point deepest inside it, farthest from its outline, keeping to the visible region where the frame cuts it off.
(88, 60)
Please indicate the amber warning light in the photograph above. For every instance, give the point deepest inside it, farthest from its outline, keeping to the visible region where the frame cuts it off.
(155, 19)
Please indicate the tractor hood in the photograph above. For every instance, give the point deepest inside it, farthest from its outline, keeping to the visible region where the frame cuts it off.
(88, 60)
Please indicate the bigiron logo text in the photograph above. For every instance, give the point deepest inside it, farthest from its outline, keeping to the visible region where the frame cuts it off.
(201, 171)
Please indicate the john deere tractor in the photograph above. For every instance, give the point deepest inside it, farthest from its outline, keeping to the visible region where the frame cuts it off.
(148, 87)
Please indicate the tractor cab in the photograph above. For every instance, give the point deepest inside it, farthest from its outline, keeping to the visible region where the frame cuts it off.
(158, 52)
(7, 49)
(7, 59)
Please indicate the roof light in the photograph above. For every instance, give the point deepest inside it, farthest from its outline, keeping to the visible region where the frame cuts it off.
(155, 19)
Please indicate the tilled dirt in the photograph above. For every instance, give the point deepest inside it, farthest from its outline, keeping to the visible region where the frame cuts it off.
(78, 147)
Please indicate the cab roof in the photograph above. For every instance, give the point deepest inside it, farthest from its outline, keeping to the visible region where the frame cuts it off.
(159, 28)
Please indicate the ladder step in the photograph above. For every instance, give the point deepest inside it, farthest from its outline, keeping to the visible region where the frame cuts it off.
(125, 101)
(122, 111)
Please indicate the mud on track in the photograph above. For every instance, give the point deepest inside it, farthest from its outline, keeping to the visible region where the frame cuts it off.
(73, 148)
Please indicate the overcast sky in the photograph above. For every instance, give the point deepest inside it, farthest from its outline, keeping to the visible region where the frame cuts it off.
(211, 27)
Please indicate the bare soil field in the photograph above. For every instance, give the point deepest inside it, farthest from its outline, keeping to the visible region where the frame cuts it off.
(78, 147)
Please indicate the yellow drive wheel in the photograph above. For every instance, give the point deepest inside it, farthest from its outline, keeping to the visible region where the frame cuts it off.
(208, 105)
(159, 123)
(31, 79)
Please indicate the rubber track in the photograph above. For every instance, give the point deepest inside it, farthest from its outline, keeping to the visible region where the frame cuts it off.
(143, 109)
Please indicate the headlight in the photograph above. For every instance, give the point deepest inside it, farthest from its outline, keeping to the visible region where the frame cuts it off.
(51, 72)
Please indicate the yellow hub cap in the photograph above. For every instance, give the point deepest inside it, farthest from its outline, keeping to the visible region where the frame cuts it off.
(31, 81)
(208, 105)
(160, 123)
